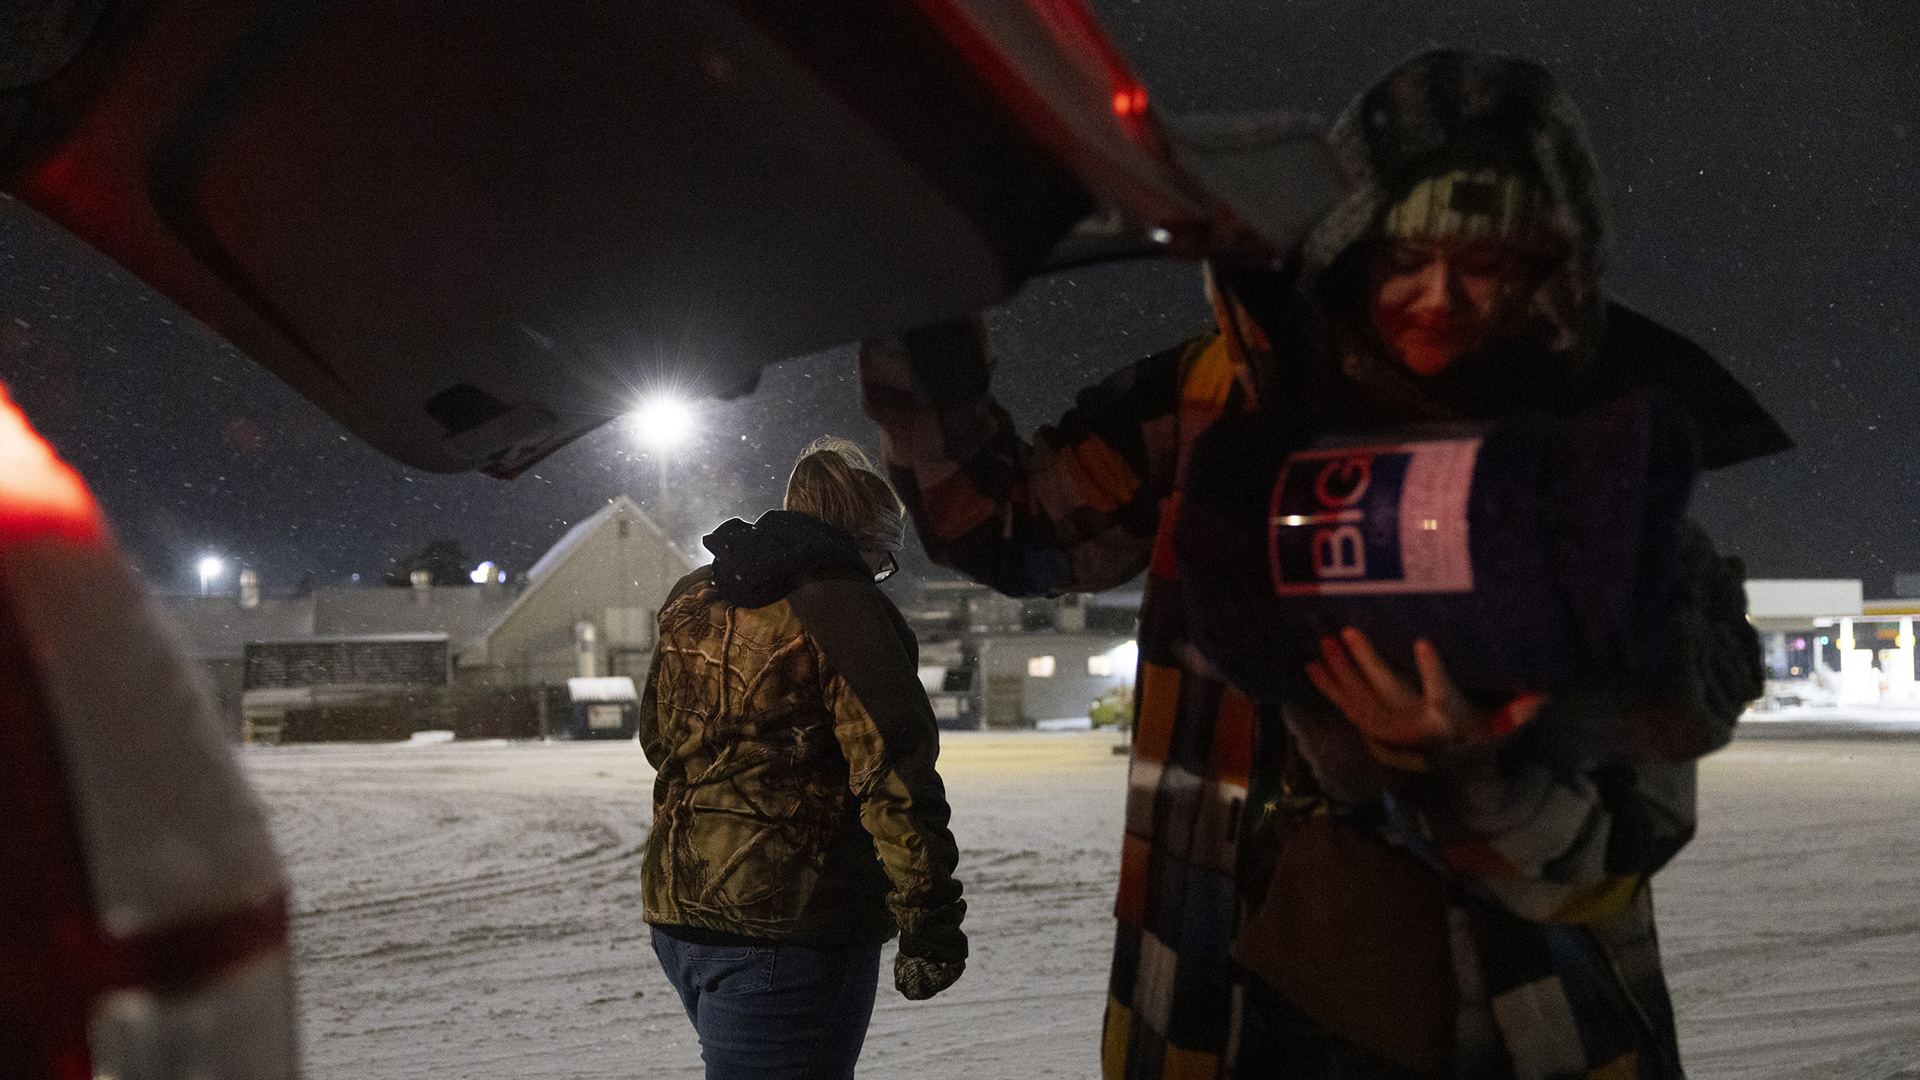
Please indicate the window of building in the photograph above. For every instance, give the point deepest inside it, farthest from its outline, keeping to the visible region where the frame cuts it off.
(1100, 664)
(1040, 667)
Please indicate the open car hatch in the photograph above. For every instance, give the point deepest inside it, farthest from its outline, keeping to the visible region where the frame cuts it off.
(471, 233)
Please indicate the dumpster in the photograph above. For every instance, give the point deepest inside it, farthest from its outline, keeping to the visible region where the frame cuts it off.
(602, 708)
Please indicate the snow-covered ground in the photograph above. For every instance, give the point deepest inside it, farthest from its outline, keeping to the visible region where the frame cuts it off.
(473, 910)
(1791, 925)
(1896, 720)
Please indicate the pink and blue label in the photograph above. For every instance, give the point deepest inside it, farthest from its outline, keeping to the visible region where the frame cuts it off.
(1373, 519)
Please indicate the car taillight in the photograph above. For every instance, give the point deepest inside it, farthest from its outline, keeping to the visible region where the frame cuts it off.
(142, 916)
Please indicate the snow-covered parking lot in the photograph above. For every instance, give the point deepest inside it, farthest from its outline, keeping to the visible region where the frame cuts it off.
(473, 910)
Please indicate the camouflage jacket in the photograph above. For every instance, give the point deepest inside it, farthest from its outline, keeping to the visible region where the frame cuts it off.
(793, 802)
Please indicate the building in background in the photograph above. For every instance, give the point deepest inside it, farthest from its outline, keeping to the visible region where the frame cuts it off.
(1825, 644)
(214, 632)
(326, 689)
(484, 660)
(587, 610)
(348, 663)
(992, 661)
(495, 660)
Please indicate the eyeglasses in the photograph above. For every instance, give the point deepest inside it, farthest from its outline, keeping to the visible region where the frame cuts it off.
(888, 570)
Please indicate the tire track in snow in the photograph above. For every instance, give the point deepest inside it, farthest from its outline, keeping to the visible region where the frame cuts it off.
(456, 910)
(473, 911)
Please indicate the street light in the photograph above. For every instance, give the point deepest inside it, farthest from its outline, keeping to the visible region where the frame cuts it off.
(211, 569)
(664, 422)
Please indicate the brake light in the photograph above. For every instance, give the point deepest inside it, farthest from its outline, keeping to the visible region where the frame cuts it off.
(1074, 27)
(1072, 20)
(39, 493)
(143, 923)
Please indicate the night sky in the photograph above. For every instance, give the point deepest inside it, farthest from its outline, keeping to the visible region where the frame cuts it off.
(1761, 160)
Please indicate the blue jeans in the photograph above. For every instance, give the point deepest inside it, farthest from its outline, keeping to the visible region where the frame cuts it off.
(778, 1012)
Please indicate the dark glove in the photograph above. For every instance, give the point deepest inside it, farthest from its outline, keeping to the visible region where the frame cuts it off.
(918, 978)
(933, 950)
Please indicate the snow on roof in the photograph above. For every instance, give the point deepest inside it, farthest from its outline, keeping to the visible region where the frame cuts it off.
(459, 611)
(560, 552)
(352, 639)
(218, 628)
(577, 535)
(604, 688)
(565, 546)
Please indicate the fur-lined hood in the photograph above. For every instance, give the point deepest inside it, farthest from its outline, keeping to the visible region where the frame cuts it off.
(1441, 109)
(1446, 104)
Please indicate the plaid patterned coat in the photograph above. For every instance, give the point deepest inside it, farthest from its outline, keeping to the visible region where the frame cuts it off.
(1536, 956)
(1544, 862)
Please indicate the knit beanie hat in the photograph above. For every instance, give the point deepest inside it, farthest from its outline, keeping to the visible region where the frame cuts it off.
(1465, 204)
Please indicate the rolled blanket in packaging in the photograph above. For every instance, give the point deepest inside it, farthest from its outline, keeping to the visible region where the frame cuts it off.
(1536, 554)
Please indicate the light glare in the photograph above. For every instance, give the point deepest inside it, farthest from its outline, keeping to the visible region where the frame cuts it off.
(664, 422)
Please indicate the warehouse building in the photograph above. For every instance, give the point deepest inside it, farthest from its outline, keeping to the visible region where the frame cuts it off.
(486, 660)
(993, 661)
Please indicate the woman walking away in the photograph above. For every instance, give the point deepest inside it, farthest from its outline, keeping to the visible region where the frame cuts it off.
(798, 822)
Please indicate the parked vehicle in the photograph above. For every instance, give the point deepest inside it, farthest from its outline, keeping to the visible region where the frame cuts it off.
(466, 232)
(143, 917)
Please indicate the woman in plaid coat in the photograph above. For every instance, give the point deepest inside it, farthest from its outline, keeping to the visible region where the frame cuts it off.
(1376, 877)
